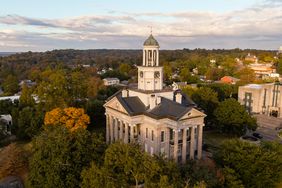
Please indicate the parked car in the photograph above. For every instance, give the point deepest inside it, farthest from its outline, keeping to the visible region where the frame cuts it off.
(257, 135)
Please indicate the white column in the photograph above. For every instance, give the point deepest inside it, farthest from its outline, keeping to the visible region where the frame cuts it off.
(200, 141)
(157, 60)
(184, 145)
(116, 129)
(111, 129)
(131, 133)
(192, 142)
(126, 133)
(121, 130)
(107, 128)
(175, 150)
(144, 58)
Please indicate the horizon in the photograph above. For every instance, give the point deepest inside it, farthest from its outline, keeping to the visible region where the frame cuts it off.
(220, 24)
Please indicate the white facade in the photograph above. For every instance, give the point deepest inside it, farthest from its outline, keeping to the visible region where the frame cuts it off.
(159, 119)
(110, 81)
(261, 98)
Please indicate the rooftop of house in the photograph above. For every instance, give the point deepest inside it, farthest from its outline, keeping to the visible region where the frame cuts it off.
(164, 109)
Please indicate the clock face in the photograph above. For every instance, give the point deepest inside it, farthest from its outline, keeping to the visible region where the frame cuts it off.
(141, 74)
(157, 74)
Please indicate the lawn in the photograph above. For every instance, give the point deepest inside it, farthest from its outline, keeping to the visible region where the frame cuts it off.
(213, 139)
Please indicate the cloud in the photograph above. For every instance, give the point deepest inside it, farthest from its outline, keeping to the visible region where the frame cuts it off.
(258, 26)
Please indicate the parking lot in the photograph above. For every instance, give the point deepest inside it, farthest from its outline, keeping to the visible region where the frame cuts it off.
(267, 127)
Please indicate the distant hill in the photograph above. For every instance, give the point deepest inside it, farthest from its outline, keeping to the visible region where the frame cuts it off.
(2, 54)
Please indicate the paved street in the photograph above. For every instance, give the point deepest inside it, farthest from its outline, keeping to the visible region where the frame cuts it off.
(267, 127)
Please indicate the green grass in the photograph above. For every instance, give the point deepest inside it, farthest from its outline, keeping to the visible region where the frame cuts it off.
(213, 139)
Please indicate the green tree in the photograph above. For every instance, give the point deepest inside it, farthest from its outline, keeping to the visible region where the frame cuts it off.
(29, 123)
(124, 165)
(246, 76)
(10, 85)
(167, 71)
(60, 155)
(54, 90)
(231, 117)
(124, 68)
(207, 99)
(249, 165)
(184, 75)
(279, 66)
(26, 98)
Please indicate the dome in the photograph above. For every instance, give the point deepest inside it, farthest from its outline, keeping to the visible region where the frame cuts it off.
(151, 41)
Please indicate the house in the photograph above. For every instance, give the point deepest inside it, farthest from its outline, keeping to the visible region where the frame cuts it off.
(262, 69)
(251, 58)
(280, 50)
(28, 83)
(262, 98)
(12, 98)
(229, 80)
(163, 121)
(178, 85)
(110, 81)
(6, 123)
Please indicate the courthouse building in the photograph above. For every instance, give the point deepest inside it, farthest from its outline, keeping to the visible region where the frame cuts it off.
(262, 98)
(161, 120)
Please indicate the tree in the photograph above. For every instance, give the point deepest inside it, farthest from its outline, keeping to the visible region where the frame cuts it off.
(246, 76)
(94, 84)
(26, 98)
(72, 118)
(167, 71)
(279, 66)
(124, 165)
(60, 155)
(124, 68)
(10, 85)
(53, 91)
(248, 165)
(29, 123)
(184, 75)
(207, 99)
(231, 117)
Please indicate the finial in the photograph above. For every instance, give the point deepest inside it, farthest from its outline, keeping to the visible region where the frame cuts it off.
(151, 29)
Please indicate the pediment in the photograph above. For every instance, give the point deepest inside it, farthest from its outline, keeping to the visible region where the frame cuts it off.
(193, 113)
(115, 104)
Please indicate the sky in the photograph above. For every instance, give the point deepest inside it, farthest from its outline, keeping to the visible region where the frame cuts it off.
(41, 25)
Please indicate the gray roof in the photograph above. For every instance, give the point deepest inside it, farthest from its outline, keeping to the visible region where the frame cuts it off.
(151, 41)
(170, 109)
(166, 109)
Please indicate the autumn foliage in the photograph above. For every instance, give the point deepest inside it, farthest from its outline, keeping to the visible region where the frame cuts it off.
(72, 118)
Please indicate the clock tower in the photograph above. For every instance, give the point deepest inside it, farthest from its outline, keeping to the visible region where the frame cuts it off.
(150, 74)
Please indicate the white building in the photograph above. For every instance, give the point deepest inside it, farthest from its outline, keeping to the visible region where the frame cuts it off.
(262, 98)
(161, 120)
(7, 123)
(111, 81)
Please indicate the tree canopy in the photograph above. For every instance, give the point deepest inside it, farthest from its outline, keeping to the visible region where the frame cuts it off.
(72, 118)
(248, 165)
(231, 117)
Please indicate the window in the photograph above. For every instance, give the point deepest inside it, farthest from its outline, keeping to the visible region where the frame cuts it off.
(162, 136)
(146, 132)
(152, 135)
(171, 134)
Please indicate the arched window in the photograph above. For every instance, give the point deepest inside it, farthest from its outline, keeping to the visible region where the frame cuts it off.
(145, 51)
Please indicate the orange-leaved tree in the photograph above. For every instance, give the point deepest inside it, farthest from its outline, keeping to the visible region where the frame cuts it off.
(72, 118)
